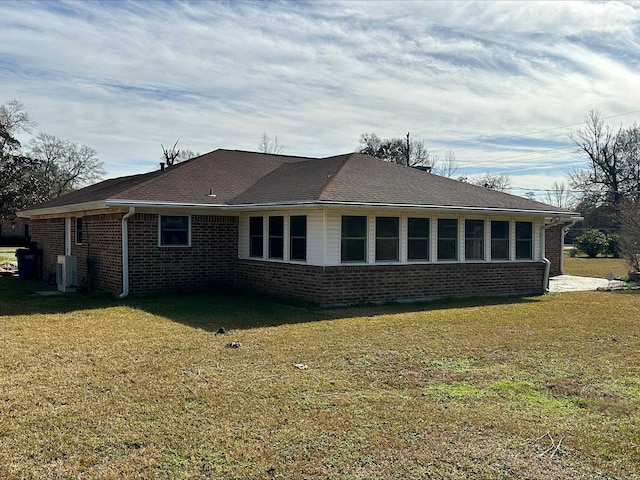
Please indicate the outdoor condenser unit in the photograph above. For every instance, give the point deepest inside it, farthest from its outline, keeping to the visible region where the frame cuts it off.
(67, 273)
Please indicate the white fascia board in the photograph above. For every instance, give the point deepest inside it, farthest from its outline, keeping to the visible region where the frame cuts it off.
(62, 210)
(337, 205)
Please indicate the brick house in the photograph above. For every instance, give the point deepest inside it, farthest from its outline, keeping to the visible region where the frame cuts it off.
(336, 230)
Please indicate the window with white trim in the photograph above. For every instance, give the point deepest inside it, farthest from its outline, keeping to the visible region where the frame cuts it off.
(174, 231)
(447, 239)
(276, 237)
(78, 230)
(417, 238)
(256, 236)
(524, 240)
(353, 239)
(387, 239)
(474, 239)
(499, 240)
(298, 237)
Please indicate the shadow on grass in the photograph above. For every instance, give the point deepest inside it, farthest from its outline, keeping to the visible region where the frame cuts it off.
(232, 310)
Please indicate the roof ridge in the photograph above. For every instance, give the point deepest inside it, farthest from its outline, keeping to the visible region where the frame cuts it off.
(331, 178)
(166, 171)
(272, 154)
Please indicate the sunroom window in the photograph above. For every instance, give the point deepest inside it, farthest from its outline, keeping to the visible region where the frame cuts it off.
(276, 237)
(256, 236)
(418, 239)
(474, 239)
(387, 239)
(353, 244)
(499, 240)
(524, 240)
(447, 239)
(298, 237)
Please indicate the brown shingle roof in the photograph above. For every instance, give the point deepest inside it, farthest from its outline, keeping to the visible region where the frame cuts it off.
(248, 178)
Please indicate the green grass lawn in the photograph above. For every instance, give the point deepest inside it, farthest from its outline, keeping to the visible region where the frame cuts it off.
(7, 254)
(541, 387)
(599, 267)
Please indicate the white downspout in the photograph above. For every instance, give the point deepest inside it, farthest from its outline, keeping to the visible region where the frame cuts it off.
(547, 263)
(125, 252)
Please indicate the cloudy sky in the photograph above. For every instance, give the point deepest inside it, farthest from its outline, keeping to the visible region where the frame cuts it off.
(501, 84)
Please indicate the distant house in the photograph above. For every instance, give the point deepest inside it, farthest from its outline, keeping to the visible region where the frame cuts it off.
(336, 230)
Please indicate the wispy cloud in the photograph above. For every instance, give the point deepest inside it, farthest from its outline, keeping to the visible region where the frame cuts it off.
(124, 77)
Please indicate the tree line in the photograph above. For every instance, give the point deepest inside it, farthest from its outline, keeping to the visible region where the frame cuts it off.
(45, 168)
(608, 184)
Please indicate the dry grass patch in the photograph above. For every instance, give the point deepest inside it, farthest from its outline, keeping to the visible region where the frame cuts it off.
(545, 387)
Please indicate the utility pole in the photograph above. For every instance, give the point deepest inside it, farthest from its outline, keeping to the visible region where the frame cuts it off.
(408, 149)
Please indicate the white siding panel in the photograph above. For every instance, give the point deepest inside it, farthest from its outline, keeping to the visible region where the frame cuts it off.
(334, 220)
(315, 237)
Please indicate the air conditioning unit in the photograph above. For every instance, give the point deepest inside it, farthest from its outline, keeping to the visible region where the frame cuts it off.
(67, 273)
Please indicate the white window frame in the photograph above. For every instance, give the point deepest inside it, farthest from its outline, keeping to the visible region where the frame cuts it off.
(76, 230)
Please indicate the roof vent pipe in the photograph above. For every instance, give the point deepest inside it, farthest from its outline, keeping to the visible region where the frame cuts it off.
(162, 166)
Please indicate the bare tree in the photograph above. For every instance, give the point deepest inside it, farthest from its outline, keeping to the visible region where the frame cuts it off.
(64, 165)
(175, 155)
(267, 145)
(493, 181)
(14, 119)
(170, 155)
(605, 170)
(447, 166)
(560, 196)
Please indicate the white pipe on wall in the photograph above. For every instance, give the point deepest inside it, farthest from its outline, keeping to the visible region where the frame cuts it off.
(125, 252)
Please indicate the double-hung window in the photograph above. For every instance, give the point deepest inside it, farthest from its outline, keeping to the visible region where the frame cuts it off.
(474, 239)
(276, 237)
(524, 240)
(298, 237)
(387, 239)
(418, 239)
(174, 231)
(353, 244)
(447, 239)
(256, 244)
(499, 240)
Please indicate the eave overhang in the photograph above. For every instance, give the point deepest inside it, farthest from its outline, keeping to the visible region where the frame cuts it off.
(63, 209)
(338, 205)
(111, 204)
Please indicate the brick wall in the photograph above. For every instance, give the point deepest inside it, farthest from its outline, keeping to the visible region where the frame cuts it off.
(209, 263)
(553, 249)
(100, 255)
(48, 234)
(359, 284)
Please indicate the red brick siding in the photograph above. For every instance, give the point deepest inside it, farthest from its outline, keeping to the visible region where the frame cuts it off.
(377, 283)
(48, 234)
(553, 248)
(100, 255)
(209, 262)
